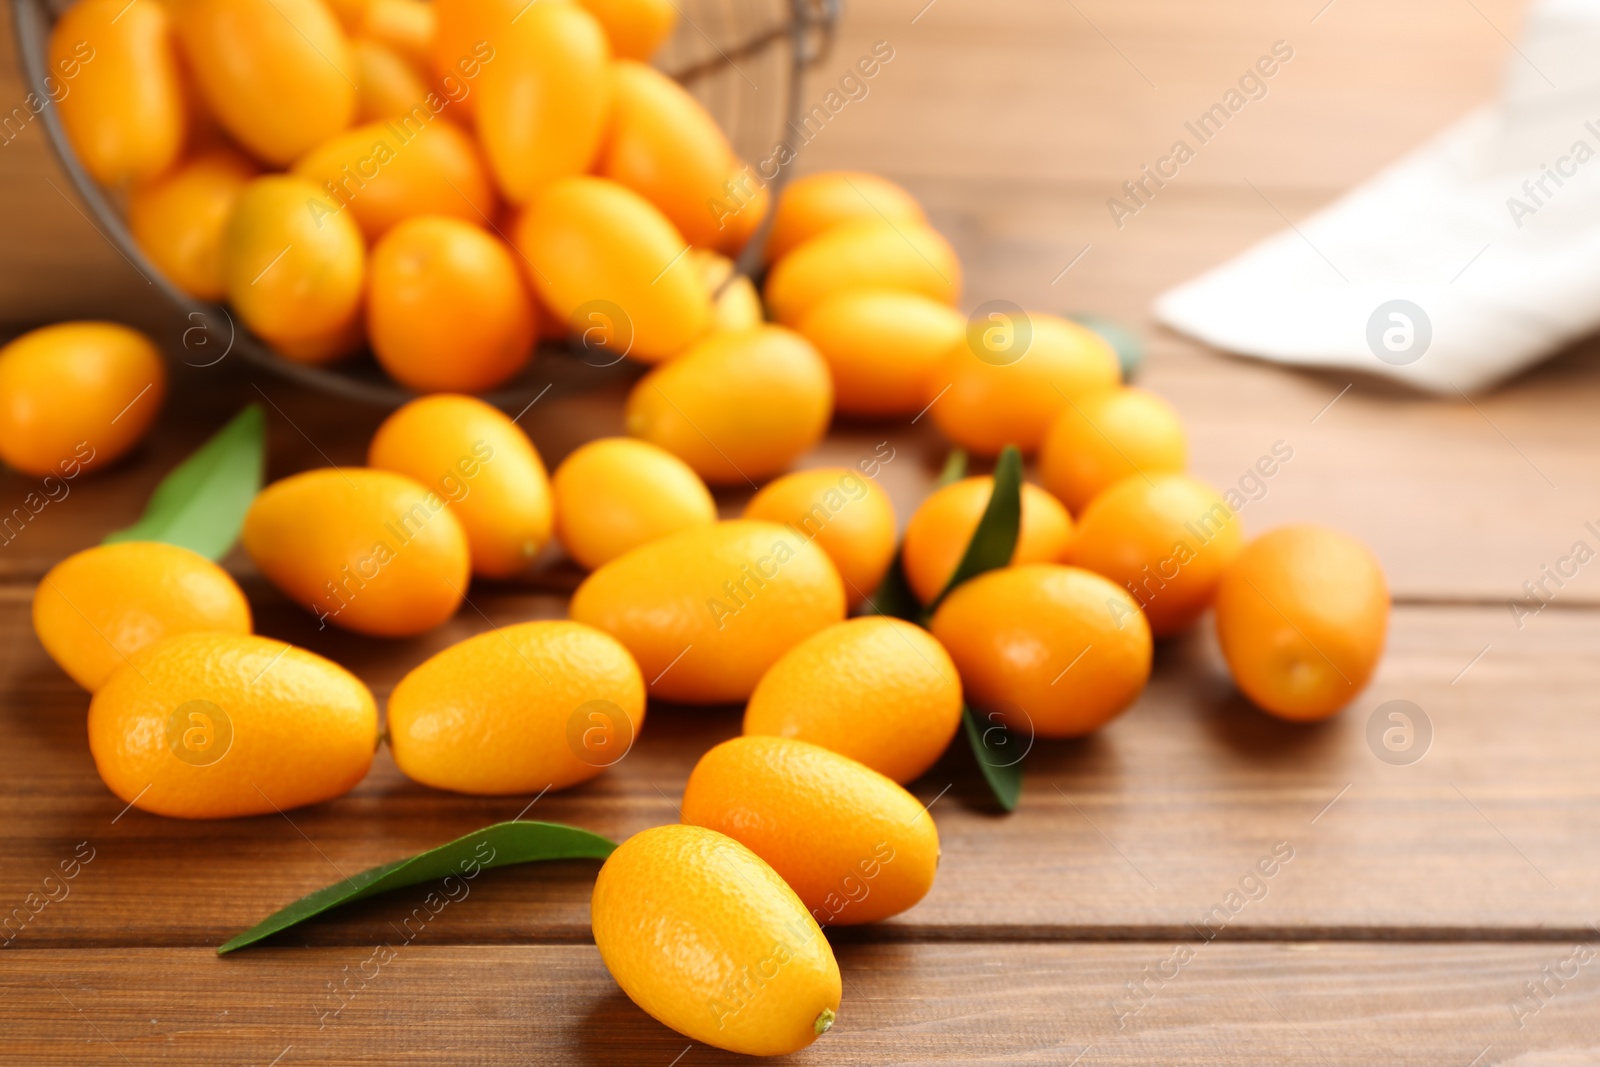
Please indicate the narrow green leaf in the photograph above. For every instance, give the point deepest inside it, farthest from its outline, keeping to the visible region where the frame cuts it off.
(201, 503)
(955, 468)
(894, 597)
(995, 539)
(499, 845)
(999, 756)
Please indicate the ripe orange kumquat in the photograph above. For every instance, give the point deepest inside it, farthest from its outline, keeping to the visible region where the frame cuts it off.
(1166, 538)
(736, 917)
(881, 346)
(369, 550)
(845, 513)
(876, 689)
(1103, 437)
(77, 395)
(665, 146)
(541, 104)
(1302, 613)
(1012, 375)
(707, 610)
(614, 494)
(447, 306)
(594, 246)
(295, 277)
(772, 793)
(99, 606)
(1046, 649)
(513, 710)
(277, 74)
(736, 406)
(483, 466)
(220, 725)
(386, 172)
(124, 110)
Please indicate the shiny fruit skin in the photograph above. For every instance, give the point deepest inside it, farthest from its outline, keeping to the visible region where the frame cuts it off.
(303, 729)
(845, 513)
(736, 406)
(615, 494)
(294, 267)
(448, 307)
(710, 941)
(493, 715)
(1104, 436)
(368, 550)
(541, 104)
(869, 254)
(1166, 538)
(75, 396)
(483, 465)
(707, 610)
(828, 825)
(590, 241)
(277, 74)
(99, 606)
(413, 164)
(985, 402)
(1016, 635)
(386, 85)
(881, 691)
(122, 106)
(179, 218)
(1302, 614)
(881, 345)
(819, 202)
(936, 537)
(635, 28)
(739, 305)
(665, 146)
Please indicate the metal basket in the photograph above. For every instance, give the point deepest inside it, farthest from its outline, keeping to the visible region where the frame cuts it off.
(744, 59)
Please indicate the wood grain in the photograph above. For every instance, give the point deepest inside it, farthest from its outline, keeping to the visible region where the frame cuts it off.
(1291, 1005)
(1136, 832)
(1408, 905)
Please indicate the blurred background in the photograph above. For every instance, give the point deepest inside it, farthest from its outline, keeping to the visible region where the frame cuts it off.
(1016, 121)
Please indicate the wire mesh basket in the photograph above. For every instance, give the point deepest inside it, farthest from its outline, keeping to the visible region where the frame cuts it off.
(743, 59)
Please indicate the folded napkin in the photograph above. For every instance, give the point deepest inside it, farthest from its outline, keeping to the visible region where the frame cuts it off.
(1471, 258)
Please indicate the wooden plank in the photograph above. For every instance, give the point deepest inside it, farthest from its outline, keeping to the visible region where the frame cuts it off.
(1287, 1005)
(1139, 831)
(1461, 500)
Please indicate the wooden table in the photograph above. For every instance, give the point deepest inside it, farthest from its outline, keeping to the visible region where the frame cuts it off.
(1420, 900)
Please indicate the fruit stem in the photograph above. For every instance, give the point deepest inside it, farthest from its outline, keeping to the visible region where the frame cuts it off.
(824, 1022)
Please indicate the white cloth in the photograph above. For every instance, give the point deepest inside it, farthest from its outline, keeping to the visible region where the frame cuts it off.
(1505, 273)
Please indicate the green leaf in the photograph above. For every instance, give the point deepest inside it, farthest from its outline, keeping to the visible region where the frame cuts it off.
(955, 468)
(894, 597)
(995, 539)
(999, 756)
(201, 503)
(499, 845)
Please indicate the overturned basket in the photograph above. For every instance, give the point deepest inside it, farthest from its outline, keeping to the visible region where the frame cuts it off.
(724, 51)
